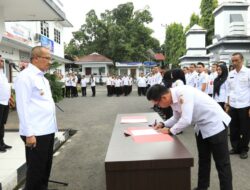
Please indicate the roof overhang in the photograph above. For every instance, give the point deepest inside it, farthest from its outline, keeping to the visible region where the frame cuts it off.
(33, 10)
(24, 47)
(83, 63)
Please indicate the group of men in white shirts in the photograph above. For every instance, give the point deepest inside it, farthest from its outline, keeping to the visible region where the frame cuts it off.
(198, 77)
(118, 85)
(144, 82)
(71, 81)
(233, 96)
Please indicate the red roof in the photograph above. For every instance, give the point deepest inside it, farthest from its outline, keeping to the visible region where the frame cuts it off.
(95, 58)
(159, 57)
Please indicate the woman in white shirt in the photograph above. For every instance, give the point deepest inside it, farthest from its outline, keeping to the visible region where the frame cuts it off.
(220, 85)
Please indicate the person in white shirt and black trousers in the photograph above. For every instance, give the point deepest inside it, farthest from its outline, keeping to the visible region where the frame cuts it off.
(92, 84)
(238, 106)
(192, 106)
(4, 105)
(37, 118)
(84, 85)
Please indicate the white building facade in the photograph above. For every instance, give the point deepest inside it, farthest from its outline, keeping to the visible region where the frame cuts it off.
(18, 38)
(196, 47)
(232, 32)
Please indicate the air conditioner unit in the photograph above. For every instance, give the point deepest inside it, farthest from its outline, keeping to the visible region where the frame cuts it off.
(37, 37)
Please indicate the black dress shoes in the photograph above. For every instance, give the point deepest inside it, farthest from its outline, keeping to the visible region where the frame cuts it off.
(196, 188)
(233, 151)
(243, 155)
(6, 146)
(2, 149)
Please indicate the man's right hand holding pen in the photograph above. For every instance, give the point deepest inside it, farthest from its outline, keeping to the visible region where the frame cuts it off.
(158, 126)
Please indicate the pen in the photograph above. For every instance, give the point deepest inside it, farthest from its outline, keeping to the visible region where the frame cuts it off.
(155, 122)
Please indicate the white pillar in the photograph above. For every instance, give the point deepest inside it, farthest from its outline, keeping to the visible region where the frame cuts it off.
(2, 25)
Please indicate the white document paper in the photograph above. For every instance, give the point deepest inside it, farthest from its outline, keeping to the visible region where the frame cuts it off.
(144, 132)
(134, 120)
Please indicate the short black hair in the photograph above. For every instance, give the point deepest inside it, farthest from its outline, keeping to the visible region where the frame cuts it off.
(193, 65)
(156, 91)
(200, 63)
(239, 54)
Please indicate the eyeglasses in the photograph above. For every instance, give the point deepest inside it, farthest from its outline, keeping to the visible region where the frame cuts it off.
(48, 58)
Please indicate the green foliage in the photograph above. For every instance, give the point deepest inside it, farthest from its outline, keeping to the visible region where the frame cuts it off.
(194, 19)
(56, 86)
(174, 43)
(207, 18)
(55, 65)
(119, 34)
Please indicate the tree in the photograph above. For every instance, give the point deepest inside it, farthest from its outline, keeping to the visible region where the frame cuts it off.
(194, 19)
(174, 43)
(207, 18)
(119, 34)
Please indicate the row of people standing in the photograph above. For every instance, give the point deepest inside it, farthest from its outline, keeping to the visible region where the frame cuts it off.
(118, 85)
(71, 81)
(143, 82)
(231, 90)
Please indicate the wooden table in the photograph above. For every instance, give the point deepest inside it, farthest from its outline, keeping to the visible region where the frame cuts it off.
(147, 166)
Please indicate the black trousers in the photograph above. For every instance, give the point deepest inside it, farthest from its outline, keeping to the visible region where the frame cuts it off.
(239, 129)
(93, 90)
(4, 112)
(222, 104)
(141, 91)
(126, 90)
(118, 91)
(68, 91)
(84, 91)
(216, 145)
(39, 162)
(109, 90)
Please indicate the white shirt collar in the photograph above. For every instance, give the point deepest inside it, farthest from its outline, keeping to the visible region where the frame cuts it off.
(35, 69)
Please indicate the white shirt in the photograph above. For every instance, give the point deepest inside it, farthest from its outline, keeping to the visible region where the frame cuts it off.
(4, 89)
(109, 81)
(83, 82)
(68, 81)
(239, 88)
(125, 81)
(118, 82)
(192, 79)
(73, 81)
(177, 83)
(158, 78)
(210, 87)
(222, 97)
(141, 82)
(35, 105)
(150, 80)
(92, 82)
(193, 107)
(200, 80)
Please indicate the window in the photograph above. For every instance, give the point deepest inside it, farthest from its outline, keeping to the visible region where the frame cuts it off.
(45, 29)
(57, 36)
(101, 70)
(236, 18)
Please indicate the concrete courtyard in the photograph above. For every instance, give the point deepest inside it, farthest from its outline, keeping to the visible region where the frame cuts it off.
(80, 161)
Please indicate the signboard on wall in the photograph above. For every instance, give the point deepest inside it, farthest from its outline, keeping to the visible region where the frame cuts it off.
(18, 32)
(46, 42)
